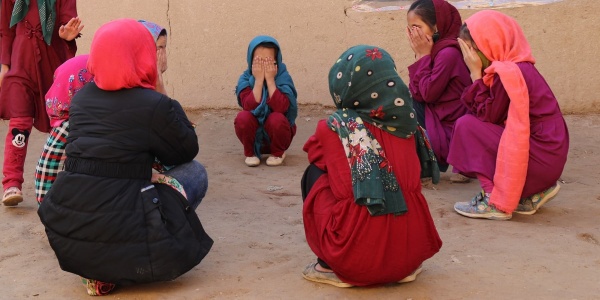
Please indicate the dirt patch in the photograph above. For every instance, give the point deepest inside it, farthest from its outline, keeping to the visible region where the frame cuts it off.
(254, 216)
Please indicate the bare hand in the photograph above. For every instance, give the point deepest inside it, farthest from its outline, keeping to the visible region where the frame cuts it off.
(71, 30)
(257, 69)
(160, 85)
(270, 69)
(472, 60)
(419, 41)
(3, 72)
(161, 60)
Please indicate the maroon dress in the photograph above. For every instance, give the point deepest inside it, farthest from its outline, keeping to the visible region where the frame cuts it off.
(476, 137)
(362, 249)
(439, 86)
(32, 62)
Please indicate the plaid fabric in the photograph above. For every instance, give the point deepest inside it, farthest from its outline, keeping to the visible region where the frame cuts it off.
(51, 161)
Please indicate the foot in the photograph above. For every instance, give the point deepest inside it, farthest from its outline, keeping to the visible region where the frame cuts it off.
(252, 161)
(427, 183)
(460, 178)
(480, 208)
(413, 276)
(275, 161)
(12, 196)
(311, 273)
(530, 205)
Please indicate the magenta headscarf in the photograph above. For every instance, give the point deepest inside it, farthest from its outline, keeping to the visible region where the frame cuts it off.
(448, 24)
(69, 78)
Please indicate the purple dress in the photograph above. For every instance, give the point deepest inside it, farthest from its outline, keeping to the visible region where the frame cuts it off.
(476, 137)
(439, 87)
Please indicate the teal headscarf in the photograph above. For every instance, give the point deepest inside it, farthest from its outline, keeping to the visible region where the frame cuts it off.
(365, 87)
(47, 11)
(284, 83)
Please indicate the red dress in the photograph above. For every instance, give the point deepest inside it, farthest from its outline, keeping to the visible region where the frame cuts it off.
(32, 62)
(361, 249)
(276, 125)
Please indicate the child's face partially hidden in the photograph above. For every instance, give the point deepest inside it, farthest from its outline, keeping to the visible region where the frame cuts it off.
(264, 53)
(161, 49)
(415, 21)
(485, 62)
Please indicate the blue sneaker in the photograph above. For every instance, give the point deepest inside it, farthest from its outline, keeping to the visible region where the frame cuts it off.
(480, 208)
(530, 205)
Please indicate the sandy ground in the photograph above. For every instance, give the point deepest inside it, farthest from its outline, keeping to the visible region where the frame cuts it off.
(254, 216)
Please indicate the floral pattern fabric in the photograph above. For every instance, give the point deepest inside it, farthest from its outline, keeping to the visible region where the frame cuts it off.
(365, 87)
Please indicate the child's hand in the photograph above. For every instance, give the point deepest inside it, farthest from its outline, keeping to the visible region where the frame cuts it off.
(270, 69)
(419, 41)
(161, 60)
(257, 69)
(3, 70)
(71, 30)
(472, 60)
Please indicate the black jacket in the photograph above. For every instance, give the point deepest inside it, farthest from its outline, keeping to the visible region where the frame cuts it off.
(103, 217)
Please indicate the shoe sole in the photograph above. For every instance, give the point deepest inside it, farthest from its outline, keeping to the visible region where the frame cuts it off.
(462, 180)
(336, 284)
(412, 277)
(489, 216)
(544, 200)
(13, 200)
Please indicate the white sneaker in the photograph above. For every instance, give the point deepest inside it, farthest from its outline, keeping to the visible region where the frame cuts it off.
(275, 161)
(252, 161)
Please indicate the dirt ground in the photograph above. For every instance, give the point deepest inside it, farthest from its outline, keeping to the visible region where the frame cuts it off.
(254, 216)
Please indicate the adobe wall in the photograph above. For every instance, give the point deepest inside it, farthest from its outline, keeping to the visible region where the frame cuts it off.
(208, 41)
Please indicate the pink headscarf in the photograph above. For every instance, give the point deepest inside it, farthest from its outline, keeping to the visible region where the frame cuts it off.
(69, 78)
(123, 55)
(502, 41)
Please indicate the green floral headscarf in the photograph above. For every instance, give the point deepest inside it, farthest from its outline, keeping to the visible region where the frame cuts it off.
(365, 87)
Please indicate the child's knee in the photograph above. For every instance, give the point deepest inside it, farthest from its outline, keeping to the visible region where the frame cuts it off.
(245, 119)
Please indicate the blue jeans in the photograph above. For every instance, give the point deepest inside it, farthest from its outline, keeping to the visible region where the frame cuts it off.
(194, 179)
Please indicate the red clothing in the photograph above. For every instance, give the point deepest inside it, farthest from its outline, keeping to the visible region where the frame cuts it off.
(361, 249)
(277, 103)
(32, 62)
(277, 125)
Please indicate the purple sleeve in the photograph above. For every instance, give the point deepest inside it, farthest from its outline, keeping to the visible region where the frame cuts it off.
(489, 104)
(428, 84)
(7, 34)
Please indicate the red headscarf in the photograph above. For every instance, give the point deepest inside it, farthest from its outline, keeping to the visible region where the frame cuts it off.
(502, 41)
(123, 55)
(448, 24)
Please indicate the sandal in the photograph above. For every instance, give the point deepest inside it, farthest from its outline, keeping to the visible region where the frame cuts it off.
(96, 287)
(459, 178)
(413, 276)
(12, 196)
(310, 273)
